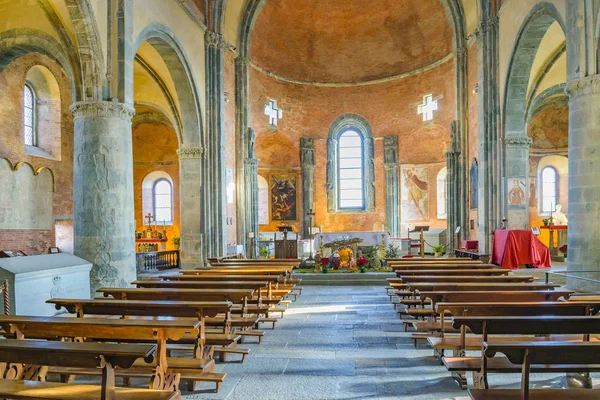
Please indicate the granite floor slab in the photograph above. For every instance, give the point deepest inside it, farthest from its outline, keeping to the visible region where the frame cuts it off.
(344, 343)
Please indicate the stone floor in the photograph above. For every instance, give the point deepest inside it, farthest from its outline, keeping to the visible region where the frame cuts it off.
(344, 343)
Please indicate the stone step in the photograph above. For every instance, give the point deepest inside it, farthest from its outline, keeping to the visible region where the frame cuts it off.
(346, 279)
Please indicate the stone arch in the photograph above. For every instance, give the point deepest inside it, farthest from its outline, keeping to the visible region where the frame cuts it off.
(154, 113)
(529, 37)
(340, 124)
(164, 41)
(18, 42)
(517, 143)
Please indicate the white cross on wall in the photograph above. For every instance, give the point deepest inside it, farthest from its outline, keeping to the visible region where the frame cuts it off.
(428, 107)
(273, 112)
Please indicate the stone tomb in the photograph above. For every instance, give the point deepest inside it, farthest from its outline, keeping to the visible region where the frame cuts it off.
(34, 279)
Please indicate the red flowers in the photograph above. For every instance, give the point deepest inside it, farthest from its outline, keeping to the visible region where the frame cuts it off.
(563, 248)
(362, 261)
(325, 261)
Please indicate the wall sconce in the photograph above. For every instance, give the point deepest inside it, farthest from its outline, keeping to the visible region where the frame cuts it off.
(476, 88)
(226, 95)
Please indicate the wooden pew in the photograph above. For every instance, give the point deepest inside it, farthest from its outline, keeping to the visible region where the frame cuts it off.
(461, 272)
(554, 361)
(104, 329)
(577, 355)
(467, 279)
(459, 344)
(495, 296)
(442, 266)
(104, 356)
(470, 286)
(232, 295)
(197, 372)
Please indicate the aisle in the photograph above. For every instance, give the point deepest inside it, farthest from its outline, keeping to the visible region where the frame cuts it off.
(337, 343)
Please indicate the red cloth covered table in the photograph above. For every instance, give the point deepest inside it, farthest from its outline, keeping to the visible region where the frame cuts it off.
(518, 247)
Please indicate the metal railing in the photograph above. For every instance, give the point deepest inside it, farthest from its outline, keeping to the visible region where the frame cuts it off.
(157, 260)
(569, 275)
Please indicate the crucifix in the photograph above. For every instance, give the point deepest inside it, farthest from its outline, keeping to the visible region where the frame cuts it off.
(150, 218)
(428, 107)
(273, 112)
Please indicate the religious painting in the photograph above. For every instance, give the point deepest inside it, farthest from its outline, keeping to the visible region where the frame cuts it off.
(415, 194)
(474, 189)
(533, 201)
(517, 189)
(283, 197)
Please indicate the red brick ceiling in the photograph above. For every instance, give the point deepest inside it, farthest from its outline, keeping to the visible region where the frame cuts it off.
(349, 40)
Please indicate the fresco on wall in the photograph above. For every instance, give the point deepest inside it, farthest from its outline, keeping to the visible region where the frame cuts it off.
(415, 194)
(533, 200)
(283, 197)
(516, 192)
(474, 189)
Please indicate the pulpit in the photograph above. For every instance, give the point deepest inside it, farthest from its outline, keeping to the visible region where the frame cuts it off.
(286, 248)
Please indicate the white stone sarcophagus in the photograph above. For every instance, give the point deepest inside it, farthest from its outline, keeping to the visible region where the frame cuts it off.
(34, 279)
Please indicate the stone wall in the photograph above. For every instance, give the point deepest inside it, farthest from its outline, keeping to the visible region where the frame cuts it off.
(12, 79)
(390, 108)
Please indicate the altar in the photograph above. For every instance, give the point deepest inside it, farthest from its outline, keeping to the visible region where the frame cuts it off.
(367, 238)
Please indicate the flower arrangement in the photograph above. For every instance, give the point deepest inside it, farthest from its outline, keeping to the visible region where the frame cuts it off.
(361, 262)
(324, 261)
(563, 248)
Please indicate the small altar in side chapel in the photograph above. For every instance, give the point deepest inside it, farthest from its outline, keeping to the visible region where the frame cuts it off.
(557, 228)
(34, 279)
(343, 249)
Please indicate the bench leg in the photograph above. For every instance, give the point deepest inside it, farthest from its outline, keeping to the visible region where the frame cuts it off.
(218, 387)
(126, 381)
(193, 386)
(461, 379)
(576, 380)
(478, 380)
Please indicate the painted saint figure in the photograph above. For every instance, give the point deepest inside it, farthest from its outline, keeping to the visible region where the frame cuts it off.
(416, 190)
(516, 195)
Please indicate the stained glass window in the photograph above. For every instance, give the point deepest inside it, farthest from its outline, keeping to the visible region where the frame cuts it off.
(350, 171)
(29, 128)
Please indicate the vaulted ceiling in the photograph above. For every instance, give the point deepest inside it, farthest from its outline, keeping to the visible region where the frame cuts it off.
(340, 41)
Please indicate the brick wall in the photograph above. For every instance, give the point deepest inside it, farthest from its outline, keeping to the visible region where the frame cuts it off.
(390, 108)
(12, 79)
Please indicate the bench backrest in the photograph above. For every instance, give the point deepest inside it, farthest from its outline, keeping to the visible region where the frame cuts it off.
(233, 295)
(475, 272)
(495, 296)
(473, 278)
(467, 286)
(431, 260)
(220, 278)
(549, 323)
(442, 266)
(574, 353)
(252, 285)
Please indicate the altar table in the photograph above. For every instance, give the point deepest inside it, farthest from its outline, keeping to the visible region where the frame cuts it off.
(512, 248)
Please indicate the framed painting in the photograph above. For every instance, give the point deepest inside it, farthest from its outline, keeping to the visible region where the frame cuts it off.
(283, 197)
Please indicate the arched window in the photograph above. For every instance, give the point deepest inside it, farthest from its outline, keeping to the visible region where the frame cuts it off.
(350, 171)
(549, 189)
(350, 165)
(163, 200)
(29, 116)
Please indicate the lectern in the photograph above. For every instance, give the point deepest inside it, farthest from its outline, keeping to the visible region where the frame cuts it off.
(286, 248)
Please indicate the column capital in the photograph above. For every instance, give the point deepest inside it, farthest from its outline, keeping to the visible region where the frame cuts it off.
(518, 141)
(107, 109)
(190, 153)
(584, 86)
(214, 40)
(252, 162)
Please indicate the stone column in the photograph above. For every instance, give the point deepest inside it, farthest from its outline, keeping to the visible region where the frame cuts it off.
(488, 116)
(584, 182)
(307, 160)
(242, 125)
(454, 204)
(215, 71)
(193, 212)
(252, 202)
(516, 185)
(392, 212)
(459, 128)
(103, 192)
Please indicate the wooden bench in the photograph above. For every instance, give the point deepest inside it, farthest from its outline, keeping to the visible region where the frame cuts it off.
(102, 356)
(467, 286)
(194, 371)
(446, 272)
(459, 344)
(495, 296)
(527, 354)
(429, 260)
(442, 266)
(465, 279)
